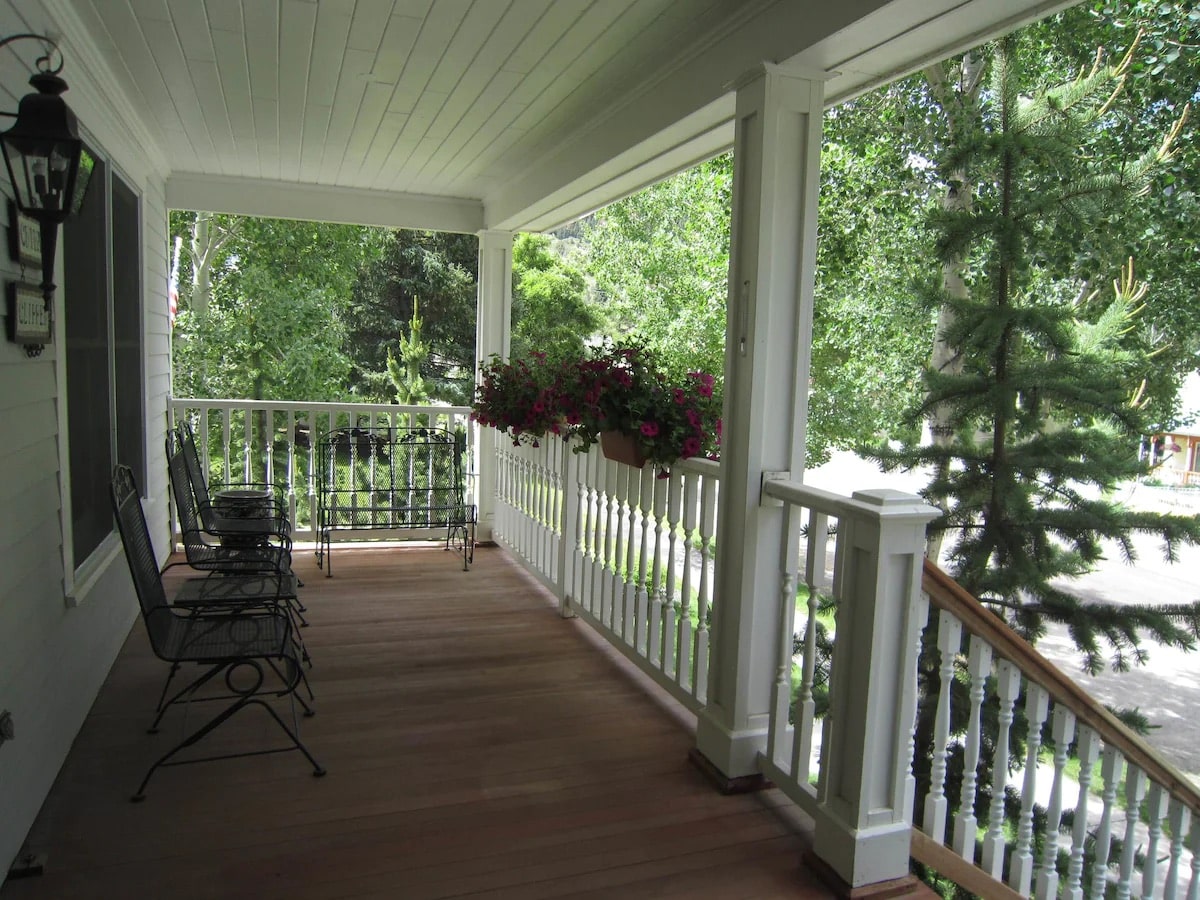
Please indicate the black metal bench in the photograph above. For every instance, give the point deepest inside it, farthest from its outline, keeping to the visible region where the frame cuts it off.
(393, 482)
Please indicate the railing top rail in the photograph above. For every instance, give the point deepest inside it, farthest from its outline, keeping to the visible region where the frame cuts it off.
(864, 504)
(709, 468)
(315, 405)
(946, 593)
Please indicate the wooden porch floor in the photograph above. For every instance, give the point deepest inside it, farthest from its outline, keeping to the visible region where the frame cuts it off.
(477, 746)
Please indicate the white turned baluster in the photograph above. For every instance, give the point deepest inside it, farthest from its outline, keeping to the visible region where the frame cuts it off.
(1063, 732)
(916, 631)
(576, 468)
(226, 440)
(600, 510)
(539, 520)
(520, 487)
(247, 444)
(1008, 686)
(556, 500)
(1087, 748)
(313, 439)
(778, 733)
(529, 507)
(1020, 873)
(1156, 810)
(658, 594)
(1180, 819)
(291, 467)
(1135, 790)
(684, 667)
(979, 666)
(1193, 845)
(647, 494)
(1110, 774)
(670, 600)
(708, 524)
(621, 543)
(634, 527)
(611, 512)
(949, 640)
(816, 548)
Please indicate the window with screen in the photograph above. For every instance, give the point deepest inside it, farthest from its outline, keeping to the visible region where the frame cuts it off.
(101, 250)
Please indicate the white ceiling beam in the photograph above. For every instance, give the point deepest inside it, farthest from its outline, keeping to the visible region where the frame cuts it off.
(318, 203)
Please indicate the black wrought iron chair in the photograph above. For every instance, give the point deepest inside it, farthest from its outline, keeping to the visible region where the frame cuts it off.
(215, 553)
(243, 513)
(252, 637)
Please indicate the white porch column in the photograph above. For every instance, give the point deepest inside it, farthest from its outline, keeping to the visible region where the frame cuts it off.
(493, 331)
(776, 166)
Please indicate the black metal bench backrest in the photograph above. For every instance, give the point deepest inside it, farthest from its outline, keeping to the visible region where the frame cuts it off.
(412, 467)
(139, 552)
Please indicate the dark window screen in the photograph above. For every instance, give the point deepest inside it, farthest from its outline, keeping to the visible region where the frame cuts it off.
(127, 329)
(89, 412)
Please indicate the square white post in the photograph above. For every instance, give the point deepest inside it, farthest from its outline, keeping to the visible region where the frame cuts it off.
(865, 791)
(772, 261)
(493, 332)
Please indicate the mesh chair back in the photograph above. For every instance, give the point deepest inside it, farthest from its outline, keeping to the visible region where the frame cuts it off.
(185, 500)
(195, 472)
(139, 553)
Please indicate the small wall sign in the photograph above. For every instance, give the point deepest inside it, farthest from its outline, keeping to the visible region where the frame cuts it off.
(25, 237)
(29, 319)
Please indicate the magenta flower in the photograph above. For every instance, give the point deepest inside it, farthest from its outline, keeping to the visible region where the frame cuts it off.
(650, 429)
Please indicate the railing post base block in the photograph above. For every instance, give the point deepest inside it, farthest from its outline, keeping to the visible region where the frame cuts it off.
(908, 886)
(742, 784)
(730, 750)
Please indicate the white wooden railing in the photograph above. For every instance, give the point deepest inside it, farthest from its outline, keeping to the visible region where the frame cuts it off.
(275, 441)
(633, 556)
(628, 552)
(1131, 831)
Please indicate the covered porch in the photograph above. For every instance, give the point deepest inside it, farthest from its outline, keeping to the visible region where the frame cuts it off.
(477, 744)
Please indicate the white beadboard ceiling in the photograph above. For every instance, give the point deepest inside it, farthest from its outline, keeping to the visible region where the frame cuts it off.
(503, 104)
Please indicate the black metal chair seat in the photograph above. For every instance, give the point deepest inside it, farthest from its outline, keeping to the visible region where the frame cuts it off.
(248, 644)
(230, 593)
(216, 638)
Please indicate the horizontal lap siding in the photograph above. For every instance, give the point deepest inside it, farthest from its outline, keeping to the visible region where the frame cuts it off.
(54, 658)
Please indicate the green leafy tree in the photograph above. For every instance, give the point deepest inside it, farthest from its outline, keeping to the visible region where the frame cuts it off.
(869, 322)
(660, 259)
(272, 294)
(551, 307)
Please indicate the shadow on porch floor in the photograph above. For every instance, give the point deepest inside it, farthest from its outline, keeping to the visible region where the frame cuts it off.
(477, 745)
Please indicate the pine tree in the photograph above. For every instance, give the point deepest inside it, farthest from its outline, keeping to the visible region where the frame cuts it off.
(1043, 428)
(404, 372)
(1038, 419)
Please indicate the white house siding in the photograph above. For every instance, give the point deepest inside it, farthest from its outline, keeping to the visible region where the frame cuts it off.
(54, 656)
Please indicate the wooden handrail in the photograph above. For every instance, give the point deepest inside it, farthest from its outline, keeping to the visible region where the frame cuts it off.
(946, 593)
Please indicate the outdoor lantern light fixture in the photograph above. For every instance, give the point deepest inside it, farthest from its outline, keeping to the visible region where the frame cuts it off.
(41, 152)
